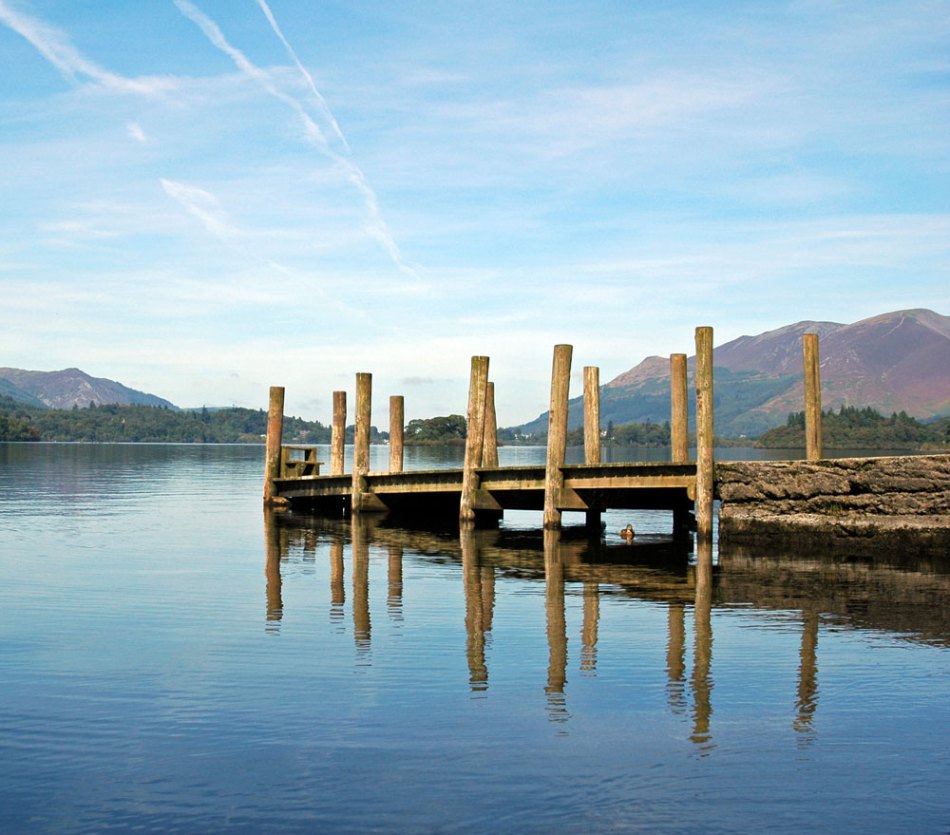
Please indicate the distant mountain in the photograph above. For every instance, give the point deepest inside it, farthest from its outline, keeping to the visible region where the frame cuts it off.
(72, 387)
(894, 362)
(7, 389)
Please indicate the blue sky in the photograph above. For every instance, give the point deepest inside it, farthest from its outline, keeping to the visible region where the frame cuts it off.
(202, 199)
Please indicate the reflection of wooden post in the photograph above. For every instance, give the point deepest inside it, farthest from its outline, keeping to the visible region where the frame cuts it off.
(676, 657)
(557, 435)
(272, 549)
(474, 611)
(474, 437)
(337, 589)
(394, 596)
(591, 414)
(704, 433)
(589, 628)
(702, 651)
(807, 700)
(556, 627)
(679, 420)
(812, 397)
(275, 432)
(361, 618)
(364, 398)
(338, 433)
(397, 414)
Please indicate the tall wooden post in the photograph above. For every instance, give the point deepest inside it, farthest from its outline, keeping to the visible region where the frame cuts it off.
(490, 442)
(679, 421)
(557, 435)
(592, 434)
(275, 432)
(704, 433)
(812, 397)
(474, 437)
(591, 414)
(397, 415)
(364, 397)
(338, 433)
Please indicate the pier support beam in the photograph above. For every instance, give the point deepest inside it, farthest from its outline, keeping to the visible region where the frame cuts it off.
(490, 441)
(474, 438)
(364, 397)
(704, 433)
(812, 397)
(397, 422)
(275, 433)
(557, 436)
(338, 433)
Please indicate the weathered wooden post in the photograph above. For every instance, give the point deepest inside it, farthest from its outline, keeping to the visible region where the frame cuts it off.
(338, 433)
(592, 433)
(557, 435)
(275, 433)
(679, 421)
(364, 397)
(474, 437)
(591, 414)
(490, 443)
(812, 397)
(397, 414)
(704, 433)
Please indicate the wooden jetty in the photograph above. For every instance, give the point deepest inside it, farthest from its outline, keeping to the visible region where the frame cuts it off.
(481, 491)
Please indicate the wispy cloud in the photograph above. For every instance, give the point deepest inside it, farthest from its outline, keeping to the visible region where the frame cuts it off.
(134, 129)
(57, 48)
(201, 204)
(376, 227)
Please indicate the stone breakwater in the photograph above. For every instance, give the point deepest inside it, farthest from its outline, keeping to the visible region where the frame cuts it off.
(860, 505)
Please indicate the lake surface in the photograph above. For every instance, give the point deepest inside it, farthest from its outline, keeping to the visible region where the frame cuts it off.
(173, 659)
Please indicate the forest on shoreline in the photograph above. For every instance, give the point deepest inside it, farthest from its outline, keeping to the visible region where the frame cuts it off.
(848, 427)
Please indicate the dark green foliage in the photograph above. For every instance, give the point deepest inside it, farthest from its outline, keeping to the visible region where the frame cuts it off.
(120, 424)
(438, 430)
(854, 428)
(628, 434)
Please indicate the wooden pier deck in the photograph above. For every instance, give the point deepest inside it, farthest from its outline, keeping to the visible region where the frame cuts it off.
(586, 487)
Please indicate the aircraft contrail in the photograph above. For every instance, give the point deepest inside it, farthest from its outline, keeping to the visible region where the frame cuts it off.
(377, 228)
(324, 107)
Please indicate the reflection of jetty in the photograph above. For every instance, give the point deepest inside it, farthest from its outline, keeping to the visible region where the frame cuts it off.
(906, 599)
(481, 491)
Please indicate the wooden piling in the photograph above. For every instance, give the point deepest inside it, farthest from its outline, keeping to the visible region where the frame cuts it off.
(812, 396)
(275, 432)
(338, 433)
(364, 396)
(490, 442)
(679, 420)
(592, 434)
(591, 414)
(557, 435)
(397, 414)
(704, 433)
(474, 437)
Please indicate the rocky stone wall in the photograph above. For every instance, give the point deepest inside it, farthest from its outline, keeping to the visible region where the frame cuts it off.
(867, 504)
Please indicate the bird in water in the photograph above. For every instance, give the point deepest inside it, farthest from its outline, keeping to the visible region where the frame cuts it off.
(627, 532)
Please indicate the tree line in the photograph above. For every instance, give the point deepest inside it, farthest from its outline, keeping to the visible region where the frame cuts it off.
(861, 428)
(848, 427)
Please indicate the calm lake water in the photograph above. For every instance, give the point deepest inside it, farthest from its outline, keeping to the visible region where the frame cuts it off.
(171, 659)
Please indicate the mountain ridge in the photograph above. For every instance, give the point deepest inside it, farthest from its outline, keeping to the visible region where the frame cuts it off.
(892, 362)
(71, 387)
